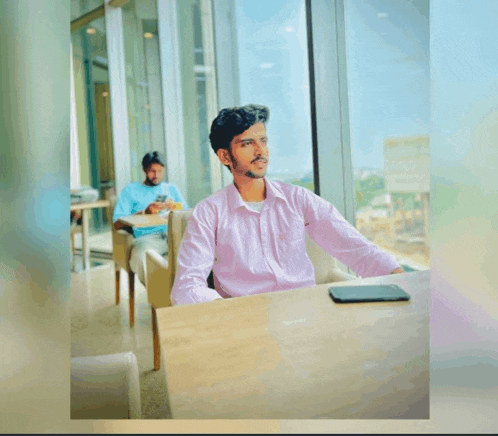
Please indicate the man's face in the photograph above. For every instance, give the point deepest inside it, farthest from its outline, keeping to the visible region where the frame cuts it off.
(249, 154)
(154, 174)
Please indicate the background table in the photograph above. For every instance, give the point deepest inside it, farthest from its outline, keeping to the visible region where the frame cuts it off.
(85, 208)
(146, 220)
(297, 354)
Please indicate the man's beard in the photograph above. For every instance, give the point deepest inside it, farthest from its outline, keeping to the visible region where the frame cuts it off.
(151, 183)
(254, 176)
(248, 173)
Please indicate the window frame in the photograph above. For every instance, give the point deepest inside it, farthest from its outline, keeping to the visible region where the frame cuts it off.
(332, 160)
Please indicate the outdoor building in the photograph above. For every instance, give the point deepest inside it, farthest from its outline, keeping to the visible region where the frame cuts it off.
(398, 217)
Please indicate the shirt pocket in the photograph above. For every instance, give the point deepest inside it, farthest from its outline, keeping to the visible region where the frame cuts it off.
(291, 241)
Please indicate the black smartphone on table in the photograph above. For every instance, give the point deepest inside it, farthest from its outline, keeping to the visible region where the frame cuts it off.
(367, 293)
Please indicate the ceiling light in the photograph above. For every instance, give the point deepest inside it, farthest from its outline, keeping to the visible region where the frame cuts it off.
(91, 31)
(266, 65)
(148, 35)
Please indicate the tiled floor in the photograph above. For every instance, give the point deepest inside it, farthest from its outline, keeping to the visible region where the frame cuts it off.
(99, 241)
(99, 326)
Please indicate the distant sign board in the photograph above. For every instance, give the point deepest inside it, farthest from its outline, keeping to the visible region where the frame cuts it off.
(406, 164)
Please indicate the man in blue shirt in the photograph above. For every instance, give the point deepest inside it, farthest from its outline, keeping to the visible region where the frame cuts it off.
(144, 198)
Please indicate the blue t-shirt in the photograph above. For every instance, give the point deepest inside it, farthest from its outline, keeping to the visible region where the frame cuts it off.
(137, 196)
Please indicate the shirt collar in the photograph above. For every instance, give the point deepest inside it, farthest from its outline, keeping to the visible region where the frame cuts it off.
(235, 199)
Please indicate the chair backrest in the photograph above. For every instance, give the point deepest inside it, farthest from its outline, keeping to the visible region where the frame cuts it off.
(160, 272)
(177, 223)
(110, 194)
(323, 262)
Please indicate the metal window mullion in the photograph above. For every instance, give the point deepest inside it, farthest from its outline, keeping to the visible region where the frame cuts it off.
(93, 144)
(170, 58)
(331, 139)
(118, 97)
(347, 162)
(226, 53)
(211, 88)
(226, 60)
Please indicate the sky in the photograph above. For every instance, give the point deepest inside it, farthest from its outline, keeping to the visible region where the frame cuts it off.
(273, 71)
(387, 47)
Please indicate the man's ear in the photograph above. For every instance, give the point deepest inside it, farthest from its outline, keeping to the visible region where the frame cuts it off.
(223, 156)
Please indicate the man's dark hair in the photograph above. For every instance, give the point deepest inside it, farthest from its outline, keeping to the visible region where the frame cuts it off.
(153, 157)
(233, 121)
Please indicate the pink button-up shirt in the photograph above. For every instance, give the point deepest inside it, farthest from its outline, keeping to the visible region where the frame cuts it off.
(254, 252)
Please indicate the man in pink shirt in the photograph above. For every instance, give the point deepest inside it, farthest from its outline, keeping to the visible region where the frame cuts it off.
(252, 233)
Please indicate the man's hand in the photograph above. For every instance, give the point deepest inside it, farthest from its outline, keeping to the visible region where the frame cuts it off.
(158, 206)
(169, 205)
(154, 208)
(397, 271)
(118, 225)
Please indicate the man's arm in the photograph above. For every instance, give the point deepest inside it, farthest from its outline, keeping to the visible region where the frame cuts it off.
(196, 259)
(124, 207)
(328, 228)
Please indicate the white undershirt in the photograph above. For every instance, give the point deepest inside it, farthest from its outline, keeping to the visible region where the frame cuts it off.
(255, 205)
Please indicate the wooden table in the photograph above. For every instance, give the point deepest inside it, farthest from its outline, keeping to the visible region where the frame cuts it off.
(146, 220)
(298, 355)
(85, 208)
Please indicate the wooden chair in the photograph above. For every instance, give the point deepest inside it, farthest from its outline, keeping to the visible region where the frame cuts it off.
(161, 272)
(122, 243)
(76, 228)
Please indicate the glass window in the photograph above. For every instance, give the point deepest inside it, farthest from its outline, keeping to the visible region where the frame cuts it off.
(273, 71)
(91, 94)
(199, 97)
(143, 83)
(387, 45)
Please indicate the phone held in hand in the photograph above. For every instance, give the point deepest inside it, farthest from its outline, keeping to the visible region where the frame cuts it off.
(367, 293)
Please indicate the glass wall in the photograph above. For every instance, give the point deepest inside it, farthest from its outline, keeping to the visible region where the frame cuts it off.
(143, 83)
(91, 94)
(387, 45)
(199, 98)
(186, 44)
(273, 71)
